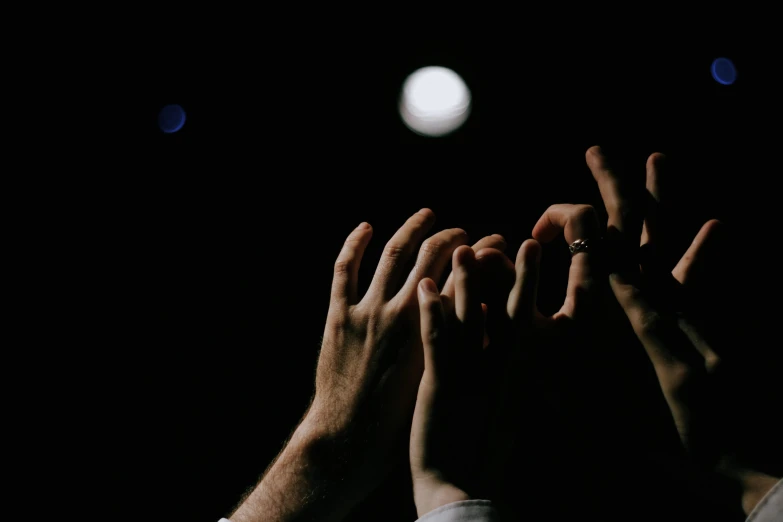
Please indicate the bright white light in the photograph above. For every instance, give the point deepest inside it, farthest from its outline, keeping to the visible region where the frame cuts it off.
(435, 101)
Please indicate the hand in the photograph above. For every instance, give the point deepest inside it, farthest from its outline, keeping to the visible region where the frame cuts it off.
(656, 303)
(445, 445)
(367, 377)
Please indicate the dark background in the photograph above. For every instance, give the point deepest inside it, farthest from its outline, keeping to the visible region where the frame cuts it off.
(221, 238)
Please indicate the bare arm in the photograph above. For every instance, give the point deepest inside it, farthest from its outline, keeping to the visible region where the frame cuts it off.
(303, 483)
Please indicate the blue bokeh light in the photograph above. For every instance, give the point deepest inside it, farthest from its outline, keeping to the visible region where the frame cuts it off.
(723, 71)
(171, 118)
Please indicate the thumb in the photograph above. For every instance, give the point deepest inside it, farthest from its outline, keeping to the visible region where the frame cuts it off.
(433, 326)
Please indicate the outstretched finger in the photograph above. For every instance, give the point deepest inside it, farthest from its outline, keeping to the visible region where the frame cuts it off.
(521, 306)
(655, 168)
(620, 195)
(396, 253)
(467, 304)
(433, 329)
(692, 268)
(346, 267)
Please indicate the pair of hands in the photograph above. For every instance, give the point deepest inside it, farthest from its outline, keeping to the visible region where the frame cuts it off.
(442, 452)
(407, 360)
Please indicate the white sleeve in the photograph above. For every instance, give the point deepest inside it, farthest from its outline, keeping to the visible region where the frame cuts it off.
(770, 508)
(464, 511)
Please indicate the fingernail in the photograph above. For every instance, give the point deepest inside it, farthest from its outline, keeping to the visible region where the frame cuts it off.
(363, 225)
(428, 286)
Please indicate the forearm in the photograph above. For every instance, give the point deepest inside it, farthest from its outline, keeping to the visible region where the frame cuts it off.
(304, 484)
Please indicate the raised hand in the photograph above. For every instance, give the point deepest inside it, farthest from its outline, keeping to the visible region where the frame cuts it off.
(657, 303)
(449, 419)
(366, 382)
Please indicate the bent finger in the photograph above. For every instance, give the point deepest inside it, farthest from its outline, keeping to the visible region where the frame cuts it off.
(577, 222)
(434, 255)
(495, 241)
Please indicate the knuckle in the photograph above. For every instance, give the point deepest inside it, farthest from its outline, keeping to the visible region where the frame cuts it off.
(678, 376)
(433, 246)
(393, 250)
(648, 323)
(343, 265)
(433, 335)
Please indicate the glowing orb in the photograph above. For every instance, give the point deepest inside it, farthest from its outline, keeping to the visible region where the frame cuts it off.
(723, 71)
(435, 101)
(171, 118)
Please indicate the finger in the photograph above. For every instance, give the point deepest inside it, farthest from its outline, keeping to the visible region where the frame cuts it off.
(655, 164)
(619, 195)
(397, 252)
(494, 241)
(497, 275)
(485, 342)
(467, 304)
(667, 346)
(521, 304)
(576, 222)
(434, 255)
(433, 328)
(346, 267)
(698, 340)
(692, 268)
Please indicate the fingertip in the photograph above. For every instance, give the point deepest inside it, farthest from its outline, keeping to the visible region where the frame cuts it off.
(427, 287)
(714, 224)
(712, 231)
(364, 226)
(464, 256)
(594, 153)
(502, 240)
(530, 251)
(427, 213)
(544, 230)
(656, 159)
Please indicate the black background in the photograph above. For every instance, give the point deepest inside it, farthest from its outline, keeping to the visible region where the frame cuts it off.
(220, 239)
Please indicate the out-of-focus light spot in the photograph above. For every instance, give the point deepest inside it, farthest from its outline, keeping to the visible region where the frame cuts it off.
(723, 71)
(435, 101)
(171, 118)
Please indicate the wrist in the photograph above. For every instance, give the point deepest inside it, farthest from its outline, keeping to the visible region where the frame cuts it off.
(304, 482)
(430, 494)
(755, 485)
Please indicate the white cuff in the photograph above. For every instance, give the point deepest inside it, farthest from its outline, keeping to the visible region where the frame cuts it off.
(770, 508)
(463, 511)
